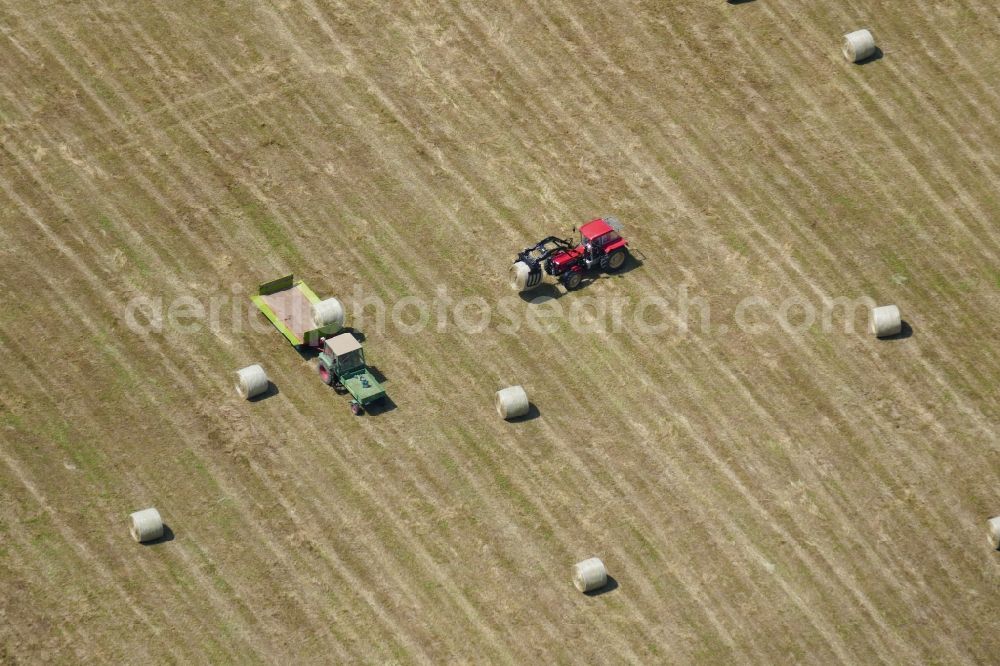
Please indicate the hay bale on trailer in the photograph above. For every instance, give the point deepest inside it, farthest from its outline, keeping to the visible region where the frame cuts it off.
(885, 321)
(512, 402)
(296, 310)
(993, 532)
(251, 381)
(328, 312)
(858, 45)
(590, 575)
(145, 525)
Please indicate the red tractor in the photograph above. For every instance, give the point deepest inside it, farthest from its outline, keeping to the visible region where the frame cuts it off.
(601, 247)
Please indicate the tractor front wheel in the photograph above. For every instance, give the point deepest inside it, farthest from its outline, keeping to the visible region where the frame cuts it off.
(355, 409)
(614, 261)
(572, 280)
(325, 375)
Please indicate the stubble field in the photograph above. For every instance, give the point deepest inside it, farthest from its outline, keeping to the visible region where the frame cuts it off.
(758, 496)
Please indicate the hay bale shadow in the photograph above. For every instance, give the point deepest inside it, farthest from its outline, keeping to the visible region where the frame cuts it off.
(905, 331)
(877, 55)
(532, 414)
(272, 390)
(610, 586)
(168, 535)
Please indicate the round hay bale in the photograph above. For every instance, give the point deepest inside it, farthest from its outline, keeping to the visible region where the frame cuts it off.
(327, 312)
(885, 321)
(590, 575)
(993, 532)
(512, 402)
(145, 525)
(858, 45)
(519, 274)
(251, 381)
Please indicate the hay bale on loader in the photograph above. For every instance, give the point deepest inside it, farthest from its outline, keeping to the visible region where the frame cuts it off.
(328, 312)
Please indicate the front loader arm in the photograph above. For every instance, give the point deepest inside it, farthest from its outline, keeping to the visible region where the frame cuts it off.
(544, 250)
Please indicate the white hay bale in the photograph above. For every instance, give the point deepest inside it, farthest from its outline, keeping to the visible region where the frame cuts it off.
(145, 525)
(251, 381)
(327, 312)
(590, 575)
(858, 45)
(993, 532)
(885, 321)
(519, 274)
(512, 402)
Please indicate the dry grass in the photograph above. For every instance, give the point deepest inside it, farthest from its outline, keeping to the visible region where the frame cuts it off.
(758, 498)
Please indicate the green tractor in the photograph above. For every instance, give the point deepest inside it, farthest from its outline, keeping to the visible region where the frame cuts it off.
(342, 366)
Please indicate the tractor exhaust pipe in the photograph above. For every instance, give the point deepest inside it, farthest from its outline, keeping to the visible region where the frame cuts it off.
(524, 277)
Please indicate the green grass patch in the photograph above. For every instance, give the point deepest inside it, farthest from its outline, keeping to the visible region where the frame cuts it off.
(736, 243)
(376, 262)
(895, 263)
(84, 456)
(449, 465)
(12, 420)
(273, 233)
(645, 545)
(943, 285)
(130, 252)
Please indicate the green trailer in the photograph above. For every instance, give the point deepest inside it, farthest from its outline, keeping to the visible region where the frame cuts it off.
(295, 310)
(342, 365)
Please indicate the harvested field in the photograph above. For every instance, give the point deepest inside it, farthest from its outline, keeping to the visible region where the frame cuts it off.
(758, 495)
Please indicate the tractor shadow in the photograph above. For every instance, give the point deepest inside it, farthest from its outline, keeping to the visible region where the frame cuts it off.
(548, 291)
(610, 586)
(168, 535)
(542, 293)
(386, 406)
(905, 331)
(877, 55)
(532, 414)
(358, 335)
(377, 374)
(632, 262)
(272, 390)
(308, 352)
(738, 2)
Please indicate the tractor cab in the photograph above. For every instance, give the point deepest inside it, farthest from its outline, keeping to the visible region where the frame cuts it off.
(599, 241)
(342, 366)
(346, 353)
(600, 233)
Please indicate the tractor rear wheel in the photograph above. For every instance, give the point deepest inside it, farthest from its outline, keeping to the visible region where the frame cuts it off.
(614, 261)
(572, 280)
(325, 375)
